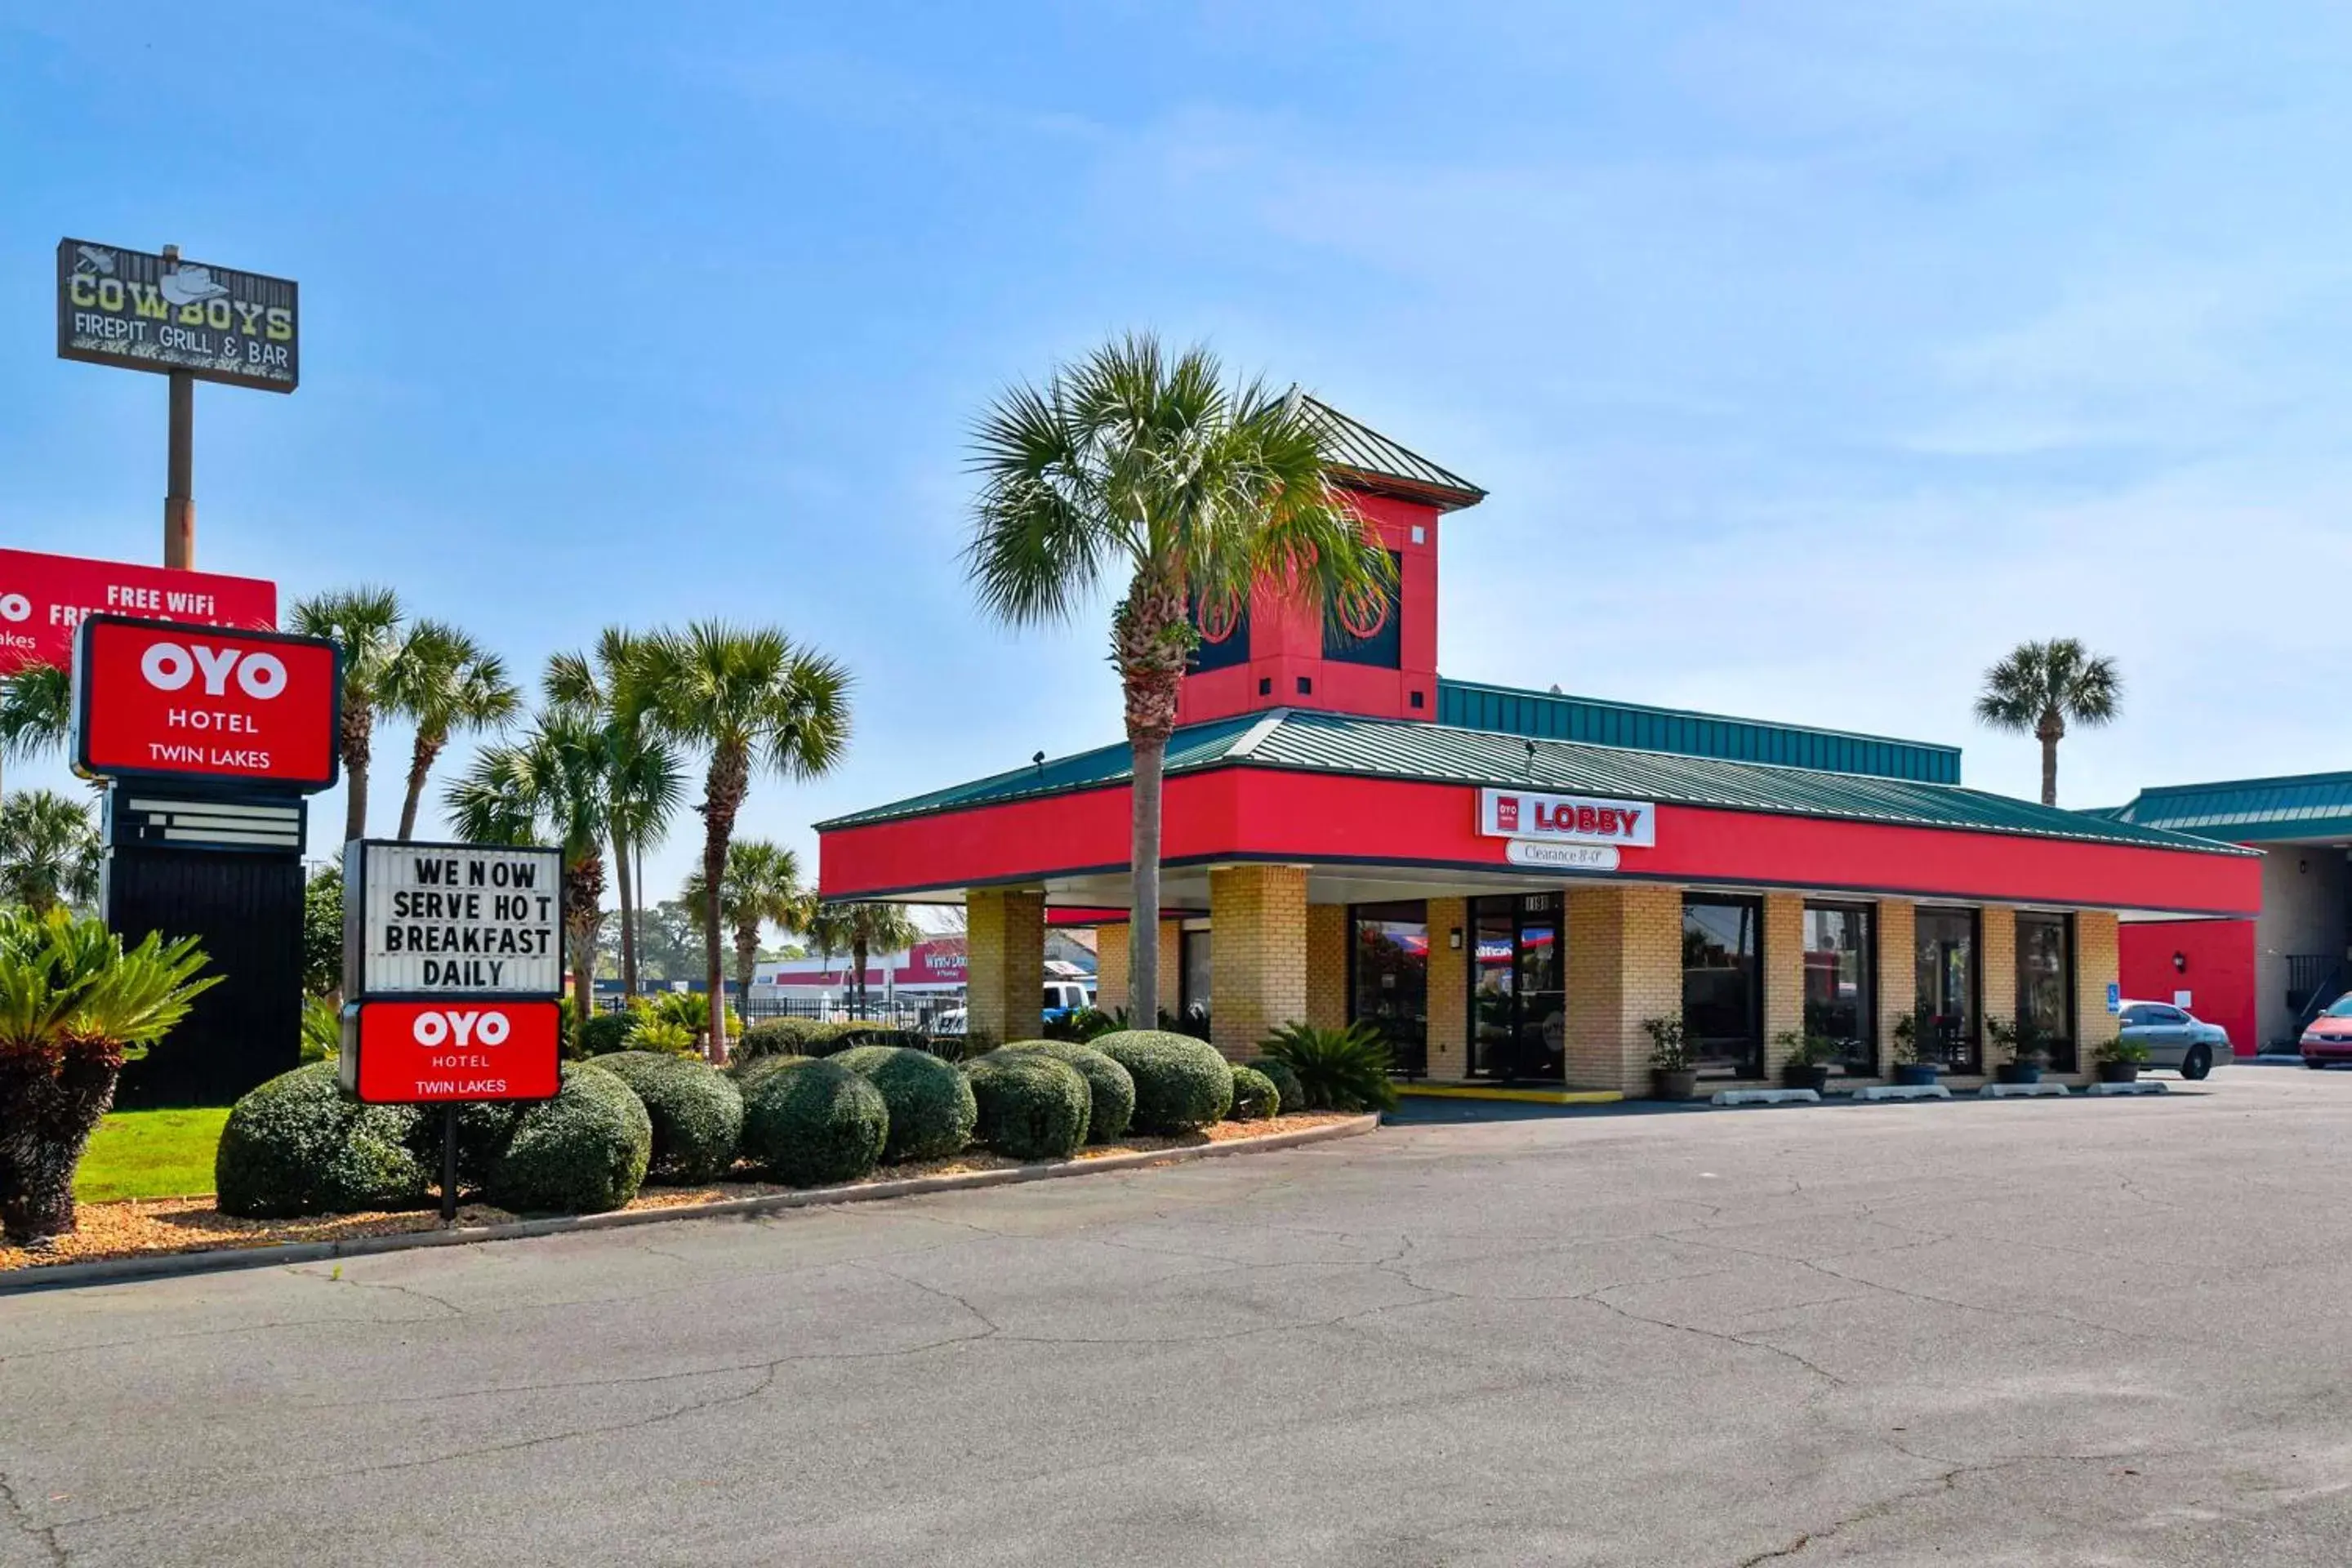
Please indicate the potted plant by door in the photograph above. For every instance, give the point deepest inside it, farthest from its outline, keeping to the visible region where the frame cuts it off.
(1808, 1059)
(2019, 1047)
(2119, 1060)
(1672, 1077)
(1909, 1030)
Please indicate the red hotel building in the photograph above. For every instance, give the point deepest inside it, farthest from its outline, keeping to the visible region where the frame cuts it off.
(1509, 882)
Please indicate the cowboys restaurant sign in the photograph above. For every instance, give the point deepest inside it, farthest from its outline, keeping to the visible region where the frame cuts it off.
(146, 311)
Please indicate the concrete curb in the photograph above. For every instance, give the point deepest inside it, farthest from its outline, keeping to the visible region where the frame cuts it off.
(65, 1276)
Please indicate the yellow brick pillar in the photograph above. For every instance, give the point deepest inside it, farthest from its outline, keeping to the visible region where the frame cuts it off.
(2098, 966)
(1110, 967)
(1449, 989)
(1328, 965)
(1004, 973)
(1784, 975)
(1997, 972)
(1624, 964)
(1897, 968)
(1257, 953)
(1172, 973)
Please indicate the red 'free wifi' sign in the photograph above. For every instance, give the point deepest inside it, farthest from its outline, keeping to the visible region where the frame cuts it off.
(153, 699)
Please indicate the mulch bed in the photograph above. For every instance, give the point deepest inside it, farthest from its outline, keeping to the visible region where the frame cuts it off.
(137, 1226)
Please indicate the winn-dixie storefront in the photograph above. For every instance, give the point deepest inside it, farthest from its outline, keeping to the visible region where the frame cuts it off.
(1509, 883)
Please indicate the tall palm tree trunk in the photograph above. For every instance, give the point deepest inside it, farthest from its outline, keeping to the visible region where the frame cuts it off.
(2050, 732)
(857, 957)
(1151, 641)
(357, 727)
(628, 917)
(420, 767)
(747, 964)
(722, 797)
(1143, 927)
(583, 897)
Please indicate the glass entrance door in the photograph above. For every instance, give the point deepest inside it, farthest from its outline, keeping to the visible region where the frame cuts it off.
(1518, 997)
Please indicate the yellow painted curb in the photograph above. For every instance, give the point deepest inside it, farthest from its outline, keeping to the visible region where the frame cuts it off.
(1524, 1096)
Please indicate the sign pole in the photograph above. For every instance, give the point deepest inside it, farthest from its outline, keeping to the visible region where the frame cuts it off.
(449, 1164)
(179, 487)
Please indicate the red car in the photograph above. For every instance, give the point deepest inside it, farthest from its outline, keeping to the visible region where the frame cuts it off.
(2329, 1039)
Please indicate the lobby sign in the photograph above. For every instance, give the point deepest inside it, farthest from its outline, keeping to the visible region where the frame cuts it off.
(144, 311)
(44, 597)
(452, 920)
(154, 699)
(427, 1053)
(1558, 857)
(1567, 818)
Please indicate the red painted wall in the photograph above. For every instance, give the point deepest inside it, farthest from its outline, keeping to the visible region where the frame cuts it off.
(1287, 641)
(2219, 976)
(1272, 813)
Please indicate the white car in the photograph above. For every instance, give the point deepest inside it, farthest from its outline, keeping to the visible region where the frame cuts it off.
(2175, 1038)
(954, 1021)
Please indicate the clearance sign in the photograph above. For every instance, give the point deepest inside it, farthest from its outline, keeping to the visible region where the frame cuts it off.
(145, 312)
(44, 597)
(152, 699)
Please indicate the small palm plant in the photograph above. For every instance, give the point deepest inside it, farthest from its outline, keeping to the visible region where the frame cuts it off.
(49, 851)
(35, 712)
(2042, 685)
(75, 1005)
(1340, 1069)
(762, 887)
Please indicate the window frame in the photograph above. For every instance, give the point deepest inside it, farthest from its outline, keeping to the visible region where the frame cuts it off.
(1970, 1061)
(1748, 1064)
(2064, 1050)
(1866, 1062)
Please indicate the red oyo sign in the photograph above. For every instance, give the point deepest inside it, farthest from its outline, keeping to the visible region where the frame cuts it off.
(418, 1053)
(159, 701)
(44, 597)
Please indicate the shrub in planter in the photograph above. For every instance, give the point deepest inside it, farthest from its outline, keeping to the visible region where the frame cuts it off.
(697, 1114)
(1182, 1084)
(1110, 1087)
(930, 1100)
(1290, 1093)
(605, 1034)
(1339, 1069)
(1807, 1060)
(2119, 1060)
(582, 1152)
(1032, 1106)
(808, 1122)
(299, 1145)
(1254, 1096)
(1671, 1076)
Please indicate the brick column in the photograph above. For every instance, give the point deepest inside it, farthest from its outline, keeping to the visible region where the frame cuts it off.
(1110, 967)
(1257, 953)
(2097, 966)
(1997, 972)
(1328, 965)
(1784, 974)
(1624, 964)
(1896, 968)
(1172, 973)
(1004, 975)
(1449, 989)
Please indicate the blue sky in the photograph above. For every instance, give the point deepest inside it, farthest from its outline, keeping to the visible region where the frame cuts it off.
(1813, 354)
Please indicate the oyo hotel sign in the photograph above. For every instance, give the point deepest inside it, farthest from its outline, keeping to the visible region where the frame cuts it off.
(153, 699)
(1566, 832)
(429, 1053)
(44, 597)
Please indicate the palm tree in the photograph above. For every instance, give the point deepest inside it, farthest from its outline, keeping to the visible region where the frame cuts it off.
(762, 887)
(444, 682)
(750, 697)
(2039, 686)
(1153, 474)
(859, 929)
(646, 783)
(49, 851)
(549, 788)
(367, 622)
(36, 711)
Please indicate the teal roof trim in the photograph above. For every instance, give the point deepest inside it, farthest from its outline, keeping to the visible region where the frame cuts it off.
(1552, 716)
(2298, 806)
(1444, 754)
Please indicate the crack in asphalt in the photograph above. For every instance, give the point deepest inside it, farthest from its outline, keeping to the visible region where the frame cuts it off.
(13, 1506)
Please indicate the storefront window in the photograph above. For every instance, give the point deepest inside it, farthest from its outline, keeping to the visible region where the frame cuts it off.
(1723, 987)
(1519, 1001)
(1840, 990)
(2045, 985)
(1948, 989)
(1389, 980)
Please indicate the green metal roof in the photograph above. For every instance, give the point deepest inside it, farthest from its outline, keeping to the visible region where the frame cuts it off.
(1446, 753)
(1357, 448)
(2242, 811)
(1553, 716)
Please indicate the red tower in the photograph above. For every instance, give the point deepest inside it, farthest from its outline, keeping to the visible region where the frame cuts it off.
(1273, 652)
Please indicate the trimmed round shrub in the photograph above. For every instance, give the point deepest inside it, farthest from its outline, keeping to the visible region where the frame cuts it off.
(605, 1033)
(776, 1038)
(697, 1115)
(809, 1123)
(1182, 1084)
(932, 1107)
(1254, 1096)
(299, 1145)
(582, 1152)
(1291, 1095)
(1110, 1087)
(1032, 1107)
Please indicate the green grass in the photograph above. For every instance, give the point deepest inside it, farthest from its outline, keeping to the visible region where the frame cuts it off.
(150, 1154)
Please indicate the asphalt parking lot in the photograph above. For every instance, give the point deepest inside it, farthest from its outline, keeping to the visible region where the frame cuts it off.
(2024, 1333)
